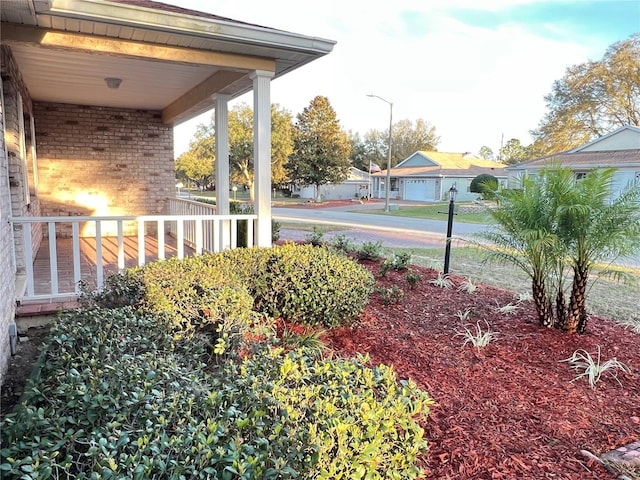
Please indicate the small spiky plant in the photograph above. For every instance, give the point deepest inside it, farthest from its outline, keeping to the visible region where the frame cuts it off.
(476, 336)
(442, 281)
(524, 297)
(593, 368)
(468, 286)
(507, 309)
(463, 316)
(309, 339)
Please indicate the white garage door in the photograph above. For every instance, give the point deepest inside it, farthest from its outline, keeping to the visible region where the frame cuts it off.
(420, 190)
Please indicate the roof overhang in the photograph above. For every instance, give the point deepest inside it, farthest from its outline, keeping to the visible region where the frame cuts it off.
(169, 59)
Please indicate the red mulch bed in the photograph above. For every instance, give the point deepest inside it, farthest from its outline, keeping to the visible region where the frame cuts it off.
(510, 411)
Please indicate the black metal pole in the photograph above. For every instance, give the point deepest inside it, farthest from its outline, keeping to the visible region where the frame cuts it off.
(447, 251)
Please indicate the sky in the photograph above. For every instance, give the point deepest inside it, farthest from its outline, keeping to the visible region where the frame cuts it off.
(477, 70)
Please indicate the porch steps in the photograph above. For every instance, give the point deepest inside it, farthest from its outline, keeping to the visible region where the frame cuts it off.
(44, 308)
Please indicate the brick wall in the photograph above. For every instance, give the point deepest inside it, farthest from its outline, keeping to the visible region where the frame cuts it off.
(18, 107)
(102, 161)
(14, 190)
(7, 271)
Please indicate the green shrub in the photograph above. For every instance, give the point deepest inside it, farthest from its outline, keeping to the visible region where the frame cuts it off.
(316, 237)
(357, 421)
(119, 290)
(369, 251)
(412, 277)
(221, 294)
(116, 396)
(397, 261)
(302, 283)
(200, 294)
(343, 244)
(484, 184)
(391, 295)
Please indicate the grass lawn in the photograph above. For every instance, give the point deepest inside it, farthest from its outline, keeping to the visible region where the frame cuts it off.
(437, 211)
(607, 298)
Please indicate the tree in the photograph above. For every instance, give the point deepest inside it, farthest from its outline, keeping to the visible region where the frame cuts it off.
(406, 139)
(241, 144)
(358, 157)
(513, 152)
(486, 153)
(320, 148)
(197, 163)
(202, 148)
(524, 239)
(556, 224)
(281, 143)
(592, 99)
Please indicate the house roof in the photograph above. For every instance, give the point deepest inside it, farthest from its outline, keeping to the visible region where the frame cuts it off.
(444, 164)
(457, 160)
(169, 58)
(610, 158)
(436, 171)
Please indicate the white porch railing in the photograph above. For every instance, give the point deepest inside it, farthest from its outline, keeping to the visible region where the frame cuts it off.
(201, 232)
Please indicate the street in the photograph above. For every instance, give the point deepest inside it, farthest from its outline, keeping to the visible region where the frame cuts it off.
(392, 231)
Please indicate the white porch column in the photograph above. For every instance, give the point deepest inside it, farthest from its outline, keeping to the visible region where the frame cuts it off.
(222, 165)
(262, 154)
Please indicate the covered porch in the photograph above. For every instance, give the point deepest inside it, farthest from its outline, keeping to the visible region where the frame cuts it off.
(91, 94)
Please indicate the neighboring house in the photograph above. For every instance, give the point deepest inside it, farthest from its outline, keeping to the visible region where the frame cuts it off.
(90, 92)
(428, 176)
(356, 185)
(619, 149)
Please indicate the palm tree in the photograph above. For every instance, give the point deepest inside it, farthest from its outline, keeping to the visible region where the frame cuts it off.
(594, 229)
(524, 237)
(557, 227)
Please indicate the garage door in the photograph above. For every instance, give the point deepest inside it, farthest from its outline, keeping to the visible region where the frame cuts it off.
(420, 190)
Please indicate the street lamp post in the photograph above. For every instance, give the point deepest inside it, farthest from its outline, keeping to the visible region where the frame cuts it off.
(447, 251)
(388, 181)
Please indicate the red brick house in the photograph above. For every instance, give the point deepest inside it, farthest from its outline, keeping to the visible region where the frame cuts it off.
(91, 91)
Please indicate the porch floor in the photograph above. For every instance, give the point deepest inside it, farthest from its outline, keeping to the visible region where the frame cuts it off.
(88, 262)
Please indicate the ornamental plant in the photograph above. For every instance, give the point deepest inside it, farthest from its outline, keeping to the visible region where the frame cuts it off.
(117, 395)
(314, 286)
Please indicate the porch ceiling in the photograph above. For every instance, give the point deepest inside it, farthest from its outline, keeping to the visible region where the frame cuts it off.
(169, 59)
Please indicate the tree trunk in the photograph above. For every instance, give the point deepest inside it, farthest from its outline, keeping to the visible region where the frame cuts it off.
(542, 303)
(561, 309)
(318, 195)
(249, 179)
(577, 314)
(252, 192)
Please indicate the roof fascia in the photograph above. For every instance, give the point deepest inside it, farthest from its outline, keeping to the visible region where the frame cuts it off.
(171, 22)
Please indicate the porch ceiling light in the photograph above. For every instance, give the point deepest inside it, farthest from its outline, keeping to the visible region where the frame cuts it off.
(113, 82)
